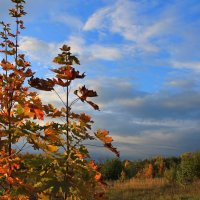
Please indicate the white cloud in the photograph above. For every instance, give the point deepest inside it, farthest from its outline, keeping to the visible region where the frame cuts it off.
(38, 50)
(124, 18)
(93, 51)
(104, 52)
(95, 21)
(44, 52)
(186, 65)
(68, 20)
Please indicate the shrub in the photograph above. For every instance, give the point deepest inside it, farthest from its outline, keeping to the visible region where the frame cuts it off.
(112, 169)
(189, 168)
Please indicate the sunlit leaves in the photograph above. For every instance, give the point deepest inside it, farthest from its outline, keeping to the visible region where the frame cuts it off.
(6, 65)
(93, 165)
(52, 148)
(66, 58)
(39, 113)
(103, 136)
(67, 73)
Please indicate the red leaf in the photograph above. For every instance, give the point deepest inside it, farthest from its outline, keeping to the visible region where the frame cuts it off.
(39, 113)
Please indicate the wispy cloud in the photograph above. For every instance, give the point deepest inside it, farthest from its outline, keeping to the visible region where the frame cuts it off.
(186, 65)
(67, 20)
(38, 50)
(124, 18)
(43, 52)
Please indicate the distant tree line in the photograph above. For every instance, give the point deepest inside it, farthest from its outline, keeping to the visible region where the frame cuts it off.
(183, 169)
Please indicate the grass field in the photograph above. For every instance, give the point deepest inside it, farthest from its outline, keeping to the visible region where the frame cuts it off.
(152, 189)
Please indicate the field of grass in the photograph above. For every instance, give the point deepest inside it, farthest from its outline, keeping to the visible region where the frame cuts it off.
(152, 189)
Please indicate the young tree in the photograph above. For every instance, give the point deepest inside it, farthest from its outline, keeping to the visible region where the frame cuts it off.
(68, 170)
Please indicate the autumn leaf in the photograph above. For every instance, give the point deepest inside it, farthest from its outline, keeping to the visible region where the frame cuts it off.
(103, 136)
(80, 155)
(41, 84)
(60, 82)
(95, 106)
(83, 93)
(65, 48)
(111, 148)
(6, 65)
(98, 177)
(127, 163)
(74, 60)
(49, 131)
(93, 165)
(52, 148)
(10, 180)
(67, 73)
(85, 118)
(51, 134)
(39, 113)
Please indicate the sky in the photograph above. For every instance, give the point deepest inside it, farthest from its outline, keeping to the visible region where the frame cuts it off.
(141, 56)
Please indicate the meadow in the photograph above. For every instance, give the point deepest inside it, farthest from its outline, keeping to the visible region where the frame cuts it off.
(152, 189)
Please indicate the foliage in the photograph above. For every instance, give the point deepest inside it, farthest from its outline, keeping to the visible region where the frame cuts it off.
(66, 169)
(184, 169)
(111, 169)
(189, 168)
(171, 174)
(133, 168)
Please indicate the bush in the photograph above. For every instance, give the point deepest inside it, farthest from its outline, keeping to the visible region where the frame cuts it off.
(171, 174)
(133, 168)
(112, 169)
(189, 168)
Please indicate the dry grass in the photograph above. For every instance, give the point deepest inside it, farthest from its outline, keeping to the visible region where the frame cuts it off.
(152, 189)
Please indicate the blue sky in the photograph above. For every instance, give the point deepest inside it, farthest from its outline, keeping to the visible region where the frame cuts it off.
(141, 56)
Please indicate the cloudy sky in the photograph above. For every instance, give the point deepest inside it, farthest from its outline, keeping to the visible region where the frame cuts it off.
(141, 56)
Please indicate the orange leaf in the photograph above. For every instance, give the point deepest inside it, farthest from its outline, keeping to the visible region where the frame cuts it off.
(126, 164)
(51, 134)
(6, 65)
(103, 136)
(93, 165)
(52, 148)
(98, 177)
(39, 113)
(10, 180)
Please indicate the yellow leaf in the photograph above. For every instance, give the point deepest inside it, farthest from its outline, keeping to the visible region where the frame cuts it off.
(52, 148)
